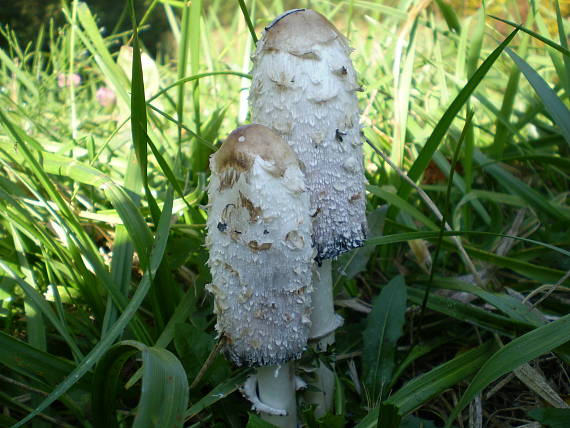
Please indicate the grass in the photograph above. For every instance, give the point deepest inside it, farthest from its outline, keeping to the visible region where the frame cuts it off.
(103, 311)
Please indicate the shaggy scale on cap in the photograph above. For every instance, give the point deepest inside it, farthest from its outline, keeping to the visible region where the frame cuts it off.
(304, 88)
(260, 248)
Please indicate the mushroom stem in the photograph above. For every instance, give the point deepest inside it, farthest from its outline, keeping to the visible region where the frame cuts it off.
(324, 323)
(276, 388)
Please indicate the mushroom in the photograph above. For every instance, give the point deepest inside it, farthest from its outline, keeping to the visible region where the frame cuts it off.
(261, 259)
(304, 87)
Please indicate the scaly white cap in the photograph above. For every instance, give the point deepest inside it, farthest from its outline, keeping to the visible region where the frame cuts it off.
(260, 247)
(304, 88)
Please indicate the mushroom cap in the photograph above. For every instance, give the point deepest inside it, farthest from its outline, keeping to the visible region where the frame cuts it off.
(300, 29)
(248, 141)
(304, 87)
(260, 248)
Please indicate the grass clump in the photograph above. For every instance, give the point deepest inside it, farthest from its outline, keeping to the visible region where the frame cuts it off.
(103, 151)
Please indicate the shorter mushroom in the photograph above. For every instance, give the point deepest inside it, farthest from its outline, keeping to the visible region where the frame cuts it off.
(259, 237)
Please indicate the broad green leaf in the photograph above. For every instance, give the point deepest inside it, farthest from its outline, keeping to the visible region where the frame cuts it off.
(384, 326)
(164, 394)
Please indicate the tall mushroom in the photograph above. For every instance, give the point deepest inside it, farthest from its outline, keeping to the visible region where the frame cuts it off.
(261, 261)
(304, 87)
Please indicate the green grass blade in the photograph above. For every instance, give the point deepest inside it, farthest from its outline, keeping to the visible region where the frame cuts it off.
(183, 51)
(34, 318)
(502, 131)
(139, 118)
(516, 186)
(164, 390)
(554, 105)
(133, 221)
(247, 18)
(402, 205)
(402, 90)
(476, 42)
(219, 392)
(39, 365)
(164, 393)
(443, 125)
(470, 314)
(42, 307)
(136, 300)
(22, 76)
(91, 38)
(543, 39)
(422, 388)
(123, 249)
(106, 383)
(449, 15)
(198, 76)
(517, 352)
(194, 45)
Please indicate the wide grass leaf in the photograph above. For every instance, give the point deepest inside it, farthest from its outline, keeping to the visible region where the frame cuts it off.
(164, 392)
(384, 326)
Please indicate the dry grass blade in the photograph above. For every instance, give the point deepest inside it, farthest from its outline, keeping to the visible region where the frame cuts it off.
(435, 210)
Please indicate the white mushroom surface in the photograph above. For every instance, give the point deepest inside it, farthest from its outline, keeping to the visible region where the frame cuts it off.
(260, 247)
(304, 87)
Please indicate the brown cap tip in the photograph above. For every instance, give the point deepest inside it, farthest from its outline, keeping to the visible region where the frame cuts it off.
(246, 142)
(300, 29)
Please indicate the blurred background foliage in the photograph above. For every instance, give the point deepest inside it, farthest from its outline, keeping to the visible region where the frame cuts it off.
(26, 16)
